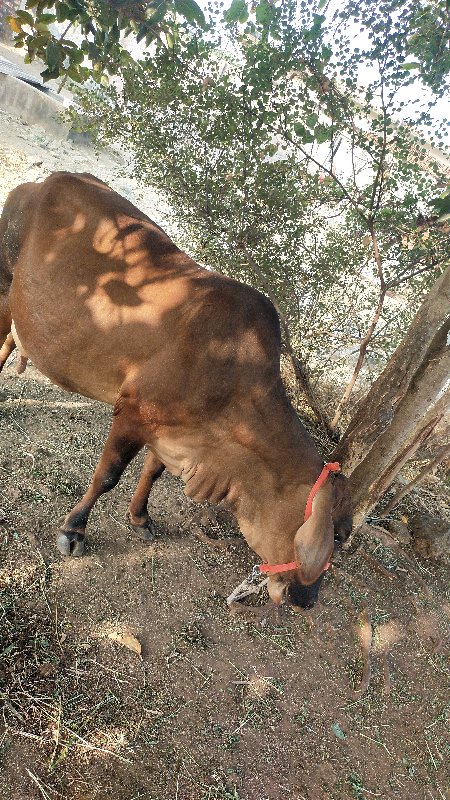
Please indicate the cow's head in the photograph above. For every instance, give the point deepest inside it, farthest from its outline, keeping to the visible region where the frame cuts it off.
(330, 523)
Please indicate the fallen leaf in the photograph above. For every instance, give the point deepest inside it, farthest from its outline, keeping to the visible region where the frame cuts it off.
(338, 732)
(127, 640)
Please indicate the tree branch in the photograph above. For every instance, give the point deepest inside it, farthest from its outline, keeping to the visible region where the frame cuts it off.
(365, 342)
(299, 370)
(428, 469)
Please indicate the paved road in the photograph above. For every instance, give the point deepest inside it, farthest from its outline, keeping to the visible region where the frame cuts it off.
(12, 63)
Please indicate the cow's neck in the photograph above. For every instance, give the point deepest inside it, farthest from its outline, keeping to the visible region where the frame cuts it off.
(262, 467)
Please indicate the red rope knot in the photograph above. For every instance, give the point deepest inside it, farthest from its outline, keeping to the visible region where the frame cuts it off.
(332, 466)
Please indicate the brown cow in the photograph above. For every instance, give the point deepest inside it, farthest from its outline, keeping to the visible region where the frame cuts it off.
(106, 305)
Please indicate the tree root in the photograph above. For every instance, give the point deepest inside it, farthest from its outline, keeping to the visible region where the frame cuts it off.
(373, 562)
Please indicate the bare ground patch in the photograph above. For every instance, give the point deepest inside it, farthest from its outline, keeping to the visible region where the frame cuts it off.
(216, 707)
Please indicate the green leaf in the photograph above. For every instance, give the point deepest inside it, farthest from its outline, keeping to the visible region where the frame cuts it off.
(410, 65)
(24, 18)
(74, 74)
(170, 39)
(53, 54)
(236, 12)
(62, 12)
(190, 11)
(50, 74)
(442, 205)
(76, 56)
(302, 133)
(264, 12)
(338, 732)
(322, 133)
(46, 19)
(312, 120)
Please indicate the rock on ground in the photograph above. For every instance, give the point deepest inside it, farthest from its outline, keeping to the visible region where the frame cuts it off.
(430, 536)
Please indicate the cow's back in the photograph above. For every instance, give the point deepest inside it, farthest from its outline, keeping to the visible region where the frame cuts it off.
(100, 294)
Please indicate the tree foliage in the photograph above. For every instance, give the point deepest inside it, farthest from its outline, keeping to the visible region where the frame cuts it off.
(97, 50)
(283, 168)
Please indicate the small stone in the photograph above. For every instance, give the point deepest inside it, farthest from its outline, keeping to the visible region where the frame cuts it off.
(430, 536)
(399, 530)
(46, 670)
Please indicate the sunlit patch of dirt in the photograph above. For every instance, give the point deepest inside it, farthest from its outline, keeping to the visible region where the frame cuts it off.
(213, 705)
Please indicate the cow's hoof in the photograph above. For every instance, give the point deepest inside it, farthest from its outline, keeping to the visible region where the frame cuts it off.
(70, 543)
(147, 531)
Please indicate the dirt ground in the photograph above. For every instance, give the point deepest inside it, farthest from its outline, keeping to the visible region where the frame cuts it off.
(216, 706)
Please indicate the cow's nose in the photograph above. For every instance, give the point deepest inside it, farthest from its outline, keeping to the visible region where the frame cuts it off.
(303, 597)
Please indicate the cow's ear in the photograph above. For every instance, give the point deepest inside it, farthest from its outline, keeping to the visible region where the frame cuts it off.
(314, 541)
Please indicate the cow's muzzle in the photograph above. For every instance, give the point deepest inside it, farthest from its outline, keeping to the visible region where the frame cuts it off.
(302, 597)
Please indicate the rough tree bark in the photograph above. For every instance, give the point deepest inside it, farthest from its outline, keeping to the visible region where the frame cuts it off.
(402, 407)
(411, 427)
(376, 412)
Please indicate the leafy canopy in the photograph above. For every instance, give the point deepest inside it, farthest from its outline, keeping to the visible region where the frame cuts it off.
(277, 137)
(98, 48)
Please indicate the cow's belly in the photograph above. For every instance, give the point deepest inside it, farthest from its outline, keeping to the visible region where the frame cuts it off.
(86, 364)
(84, 347)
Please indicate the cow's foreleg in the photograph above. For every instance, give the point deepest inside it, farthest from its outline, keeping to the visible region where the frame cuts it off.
(122, 444)
(138, 515)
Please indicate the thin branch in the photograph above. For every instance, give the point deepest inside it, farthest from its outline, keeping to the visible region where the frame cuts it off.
(299, 370)
(66, 31)
(365, 342)
(329, 172)
(428, 469)
(379, 179)
(404, 278)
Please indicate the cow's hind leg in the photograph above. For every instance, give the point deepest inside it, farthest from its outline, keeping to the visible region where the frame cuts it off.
(138, 515)
(6, 337)
(123, 443)
(7, 348)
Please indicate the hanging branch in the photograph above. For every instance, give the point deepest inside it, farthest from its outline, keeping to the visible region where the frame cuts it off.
(365, 341)
(299, 370)
(428, 469)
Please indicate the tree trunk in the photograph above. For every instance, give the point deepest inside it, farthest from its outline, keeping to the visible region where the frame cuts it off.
(415, 418)
(377, 413)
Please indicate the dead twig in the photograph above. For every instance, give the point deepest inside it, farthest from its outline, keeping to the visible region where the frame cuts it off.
(373, 562)
(37, 783)
(364, 631)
